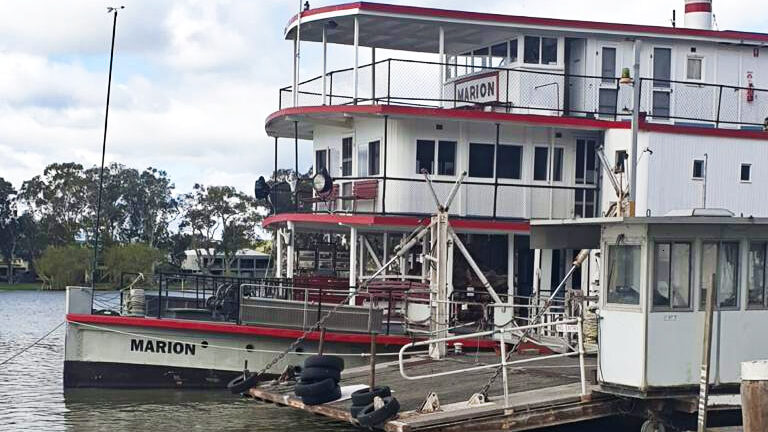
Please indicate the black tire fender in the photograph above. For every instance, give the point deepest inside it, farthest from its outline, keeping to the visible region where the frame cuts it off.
(325, 361)
(316, 374)
(370, 417)
(364, 397)
(314, 389)
(320, 399)
(243, 382)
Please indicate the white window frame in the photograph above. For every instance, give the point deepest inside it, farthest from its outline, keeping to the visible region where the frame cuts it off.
(381, 148)
(663, 89)
(703, 169)
(616, 68)
(741, 166)
(541, 51)
(551, 170)
(700, 58)
(352, 156)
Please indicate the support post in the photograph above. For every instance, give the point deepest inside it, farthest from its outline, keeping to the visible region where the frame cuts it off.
(291, 251)
(355, 78)
(279, 254)
(373, 75)
(439, 285)
(495, 171)
(441, 54)
(296, 56)
(352, 262)
(274, 173)
(384, 180)
(706, 355)
(325, 61)
(635, 128)
(754, 395)
(321, 342)
(504, 376)
(372, 376)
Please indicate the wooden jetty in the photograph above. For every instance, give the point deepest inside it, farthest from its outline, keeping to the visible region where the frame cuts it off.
(546, 393)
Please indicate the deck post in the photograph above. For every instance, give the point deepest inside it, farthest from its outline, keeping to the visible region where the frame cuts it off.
(635, 127)
(504, 377)
(441, 53)
(279, 254)
(372, 377)
(321, 342)
(373, 75)
(706, 355)
(582, 372)
(439, 284)
(352, 262)
(325, 61)
(291, 253)
(754, 395)
(357, 61)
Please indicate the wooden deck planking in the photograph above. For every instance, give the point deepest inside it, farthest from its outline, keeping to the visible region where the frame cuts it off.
(543, 393)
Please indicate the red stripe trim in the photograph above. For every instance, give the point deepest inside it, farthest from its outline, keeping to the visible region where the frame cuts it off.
(698, 7)
(535, 21)
(702, 131)
(220, 328)
(402, 221)
(458, 114)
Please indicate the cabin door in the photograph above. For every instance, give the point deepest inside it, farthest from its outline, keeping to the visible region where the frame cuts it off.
(575, 64)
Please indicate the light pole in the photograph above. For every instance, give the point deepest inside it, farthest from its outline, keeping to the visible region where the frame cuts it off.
(113, 11)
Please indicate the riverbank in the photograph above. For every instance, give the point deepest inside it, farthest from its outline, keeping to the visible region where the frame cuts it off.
(36, 286)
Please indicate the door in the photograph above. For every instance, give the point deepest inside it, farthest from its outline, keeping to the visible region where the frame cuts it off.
(575, 54)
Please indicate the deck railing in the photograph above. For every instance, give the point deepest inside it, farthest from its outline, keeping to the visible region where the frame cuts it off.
(522, 91)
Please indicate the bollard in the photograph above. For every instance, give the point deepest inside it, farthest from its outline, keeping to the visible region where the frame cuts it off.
(372, 377)
(754, 395)
(321, 342)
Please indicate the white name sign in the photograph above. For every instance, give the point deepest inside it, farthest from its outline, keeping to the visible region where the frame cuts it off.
(479, 88)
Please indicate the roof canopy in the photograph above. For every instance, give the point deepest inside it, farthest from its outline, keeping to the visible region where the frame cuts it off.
(409, 28)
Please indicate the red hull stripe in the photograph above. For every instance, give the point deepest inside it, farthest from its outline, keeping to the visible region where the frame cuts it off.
(698, 7)
(220, 328)
(348, 8)
(714, 132)
(399, 221)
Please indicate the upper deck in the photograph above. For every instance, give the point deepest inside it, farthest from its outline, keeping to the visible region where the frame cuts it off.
(530, 66)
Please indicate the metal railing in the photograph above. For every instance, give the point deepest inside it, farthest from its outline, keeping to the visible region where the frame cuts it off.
(504, 363)
(522, 91)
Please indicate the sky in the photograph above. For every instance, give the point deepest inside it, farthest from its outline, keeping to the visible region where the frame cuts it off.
(194, 80)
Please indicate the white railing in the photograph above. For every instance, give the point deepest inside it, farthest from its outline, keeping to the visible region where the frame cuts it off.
(504, 363)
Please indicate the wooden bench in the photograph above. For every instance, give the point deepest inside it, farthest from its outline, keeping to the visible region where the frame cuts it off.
(363, 190)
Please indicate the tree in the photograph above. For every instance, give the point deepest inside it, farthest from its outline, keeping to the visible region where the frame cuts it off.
(131, 258)
(8, 225)
(61, 266)
(222, 220)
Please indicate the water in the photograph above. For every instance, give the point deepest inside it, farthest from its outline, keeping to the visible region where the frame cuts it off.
(32, 397)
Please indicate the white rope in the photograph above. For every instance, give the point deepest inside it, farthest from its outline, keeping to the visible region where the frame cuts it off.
(362, 355)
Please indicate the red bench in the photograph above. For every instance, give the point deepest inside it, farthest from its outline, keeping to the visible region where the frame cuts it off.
(363, 190)
(329, 198)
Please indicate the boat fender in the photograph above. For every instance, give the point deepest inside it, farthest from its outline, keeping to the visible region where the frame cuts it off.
(325, 361)
(319, 388)
(319, 399)
(315, 374)
(243, 383)
(364, 397)
(372, 417)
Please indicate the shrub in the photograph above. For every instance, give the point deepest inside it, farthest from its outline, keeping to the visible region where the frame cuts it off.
(60, 266)
(131, 258)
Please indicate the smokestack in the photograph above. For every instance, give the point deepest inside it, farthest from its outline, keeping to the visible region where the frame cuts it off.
(698, 14)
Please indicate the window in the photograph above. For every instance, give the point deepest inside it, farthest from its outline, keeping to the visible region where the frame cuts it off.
(746, 172)
(481, 160)
(247, 263)
(540, 163)
(513, 51)
(722, 261)
(346, 191)
(624, 274)
(757, 272)
(362, 161)
(662, 67)
(373, 158)
(586, 173)
(693, 68)
(446, 158)
(609, 65)
(346, 156)
(540, 50)
(480, 59)
(660, 104)
(425, 156)
(464, 64)
(321, 161)
(557, 164)
(698, 169)
(607, 103)
(509, 162)
(499, 54)
(672, 285)
(621, 158)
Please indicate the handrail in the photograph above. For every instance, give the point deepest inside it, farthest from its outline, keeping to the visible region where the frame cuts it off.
(503, 354)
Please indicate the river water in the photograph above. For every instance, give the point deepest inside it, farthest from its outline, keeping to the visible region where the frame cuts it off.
(32, 397)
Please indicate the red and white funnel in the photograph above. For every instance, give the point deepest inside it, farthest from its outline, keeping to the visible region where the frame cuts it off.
(698, 14)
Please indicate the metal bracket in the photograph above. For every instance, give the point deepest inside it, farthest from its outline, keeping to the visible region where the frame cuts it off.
(430, 404)
(476, 399)
(378, 403)
(288, 375)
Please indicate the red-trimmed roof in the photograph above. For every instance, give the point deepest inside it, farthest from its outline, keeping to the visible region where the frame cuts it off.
(394, 221)
(455, 114)
(490, 18)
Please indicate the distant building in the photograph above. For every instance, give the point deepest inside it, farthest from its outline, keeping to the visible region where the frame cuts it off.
(20, 267)
(248, 263)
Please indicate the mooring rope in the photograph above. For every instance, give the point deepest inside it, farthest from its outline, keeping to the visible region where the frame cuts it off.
(31, 345)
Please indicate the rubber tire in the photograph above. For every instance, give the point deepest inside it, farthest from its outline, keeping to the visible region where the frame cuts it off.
(364, 397)
(316, 388)
(316, 374)
(369, 417)
(323, 398)
(355, 410)
(241, 383)
(325, 361)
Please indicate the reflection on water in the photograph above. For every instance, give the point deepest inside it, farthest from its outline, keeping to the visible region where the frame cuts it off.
(32, 398)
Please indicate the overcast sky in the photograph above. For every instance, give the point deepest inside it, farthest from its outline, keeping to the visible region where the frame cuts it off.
(194, 80)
